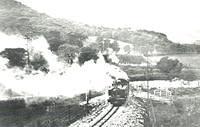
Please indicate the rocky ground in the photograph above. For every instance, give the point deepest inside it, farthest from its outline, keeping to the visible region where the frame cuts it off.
(131, 114)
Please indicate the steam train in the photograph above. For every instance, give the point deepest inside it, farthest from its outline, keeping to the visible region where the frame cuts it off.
(118, 92)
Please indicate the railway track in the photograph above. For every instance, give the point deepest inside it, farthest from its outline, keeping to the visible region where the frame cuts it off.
(105, 117)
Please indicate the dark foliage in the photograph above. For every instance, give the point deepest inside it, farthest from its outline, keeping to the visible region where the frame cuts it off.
(11, 113)
(39, 62)
(68, 52)
(106, 44)
(87, 54)
(169, 66)
(55, 44)
(76, 39)
(188, 75)
(16, 56)
(115, 46)
(53, 112)
(106, 58)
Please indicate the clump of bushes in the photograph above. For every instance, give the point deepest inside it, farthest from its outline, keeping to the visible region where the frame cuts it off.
(16, 56)
(188, 75)
(19, 57)
(170, 67)
(87, 54)
(67, 53)
(39, 63)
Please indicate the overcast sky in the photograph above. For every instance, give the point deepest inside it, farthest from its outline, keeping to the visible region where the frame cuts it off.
(179, 19)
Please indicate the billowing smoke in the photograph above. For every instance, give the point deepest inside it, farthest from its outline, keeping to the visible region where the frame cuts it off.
(11, 41)
(76, 79)
(40, 45)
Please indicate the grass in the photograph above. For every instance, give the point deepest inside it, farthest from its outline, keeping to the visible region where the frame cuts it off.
(130, 59)
(53, 112)
(189, 60)
(16, 113)
(139, 73)
(179, 92)
(183, 112)
(190, 71)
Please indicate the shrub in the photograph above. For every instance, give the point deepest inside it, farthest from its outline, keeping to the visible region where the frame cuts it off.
(170, 67)
(127, 49)
(188, 75)
(68, 53)
(87, 54)
(16, 56)
(115, 46)
(39, 62)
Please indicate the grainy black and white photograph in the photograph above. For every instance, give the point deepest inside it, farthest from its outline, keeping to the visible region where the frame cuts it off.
(99, 63)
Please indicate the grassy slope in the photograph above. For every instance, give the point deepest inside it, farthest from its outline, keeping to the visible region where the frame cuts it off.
(18, 18)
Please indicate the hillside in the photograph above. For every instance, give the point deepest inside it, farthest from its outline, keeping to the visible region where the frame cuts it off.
(16, 18)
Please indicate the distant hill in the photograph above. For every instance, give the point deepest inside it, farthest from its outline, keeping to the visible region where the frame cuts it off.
(148, 41)
(16, 18)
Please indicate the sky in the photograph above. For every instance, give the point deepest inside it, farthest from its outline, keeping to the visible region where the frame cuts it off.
(178, 19)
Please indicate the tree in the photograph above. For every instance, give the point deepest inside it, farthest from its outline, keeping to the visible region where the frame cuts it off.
(54, 40)
(115, 46)
(127, 49)
(87, 54)
(76, 39)
(39, 63)
(106, 44)
(54, 45)
(68, 52)
(16, 56)
(169, 66)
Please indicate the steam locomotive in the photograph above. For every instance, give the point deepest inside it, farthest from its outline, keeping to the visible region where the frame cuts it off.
(118, 92)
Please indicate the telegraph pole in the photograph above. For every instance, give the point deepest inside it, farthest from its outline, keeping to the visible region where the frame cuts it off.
(28, 54)
(27, 49)
(149, 102)
(147, 66)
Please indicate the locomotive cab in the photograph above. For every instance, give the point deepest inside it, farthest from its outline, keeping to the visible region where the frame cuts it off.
(118, 92)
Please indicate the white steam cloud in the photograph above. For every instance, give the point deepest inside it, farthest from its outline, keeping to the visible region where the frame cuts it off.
(11, 41)
(75, 79)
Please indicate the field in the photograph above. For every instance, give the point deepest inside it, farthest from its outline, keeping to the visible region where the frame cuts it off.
(189, 60)
(190, 71)
(184, 111)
